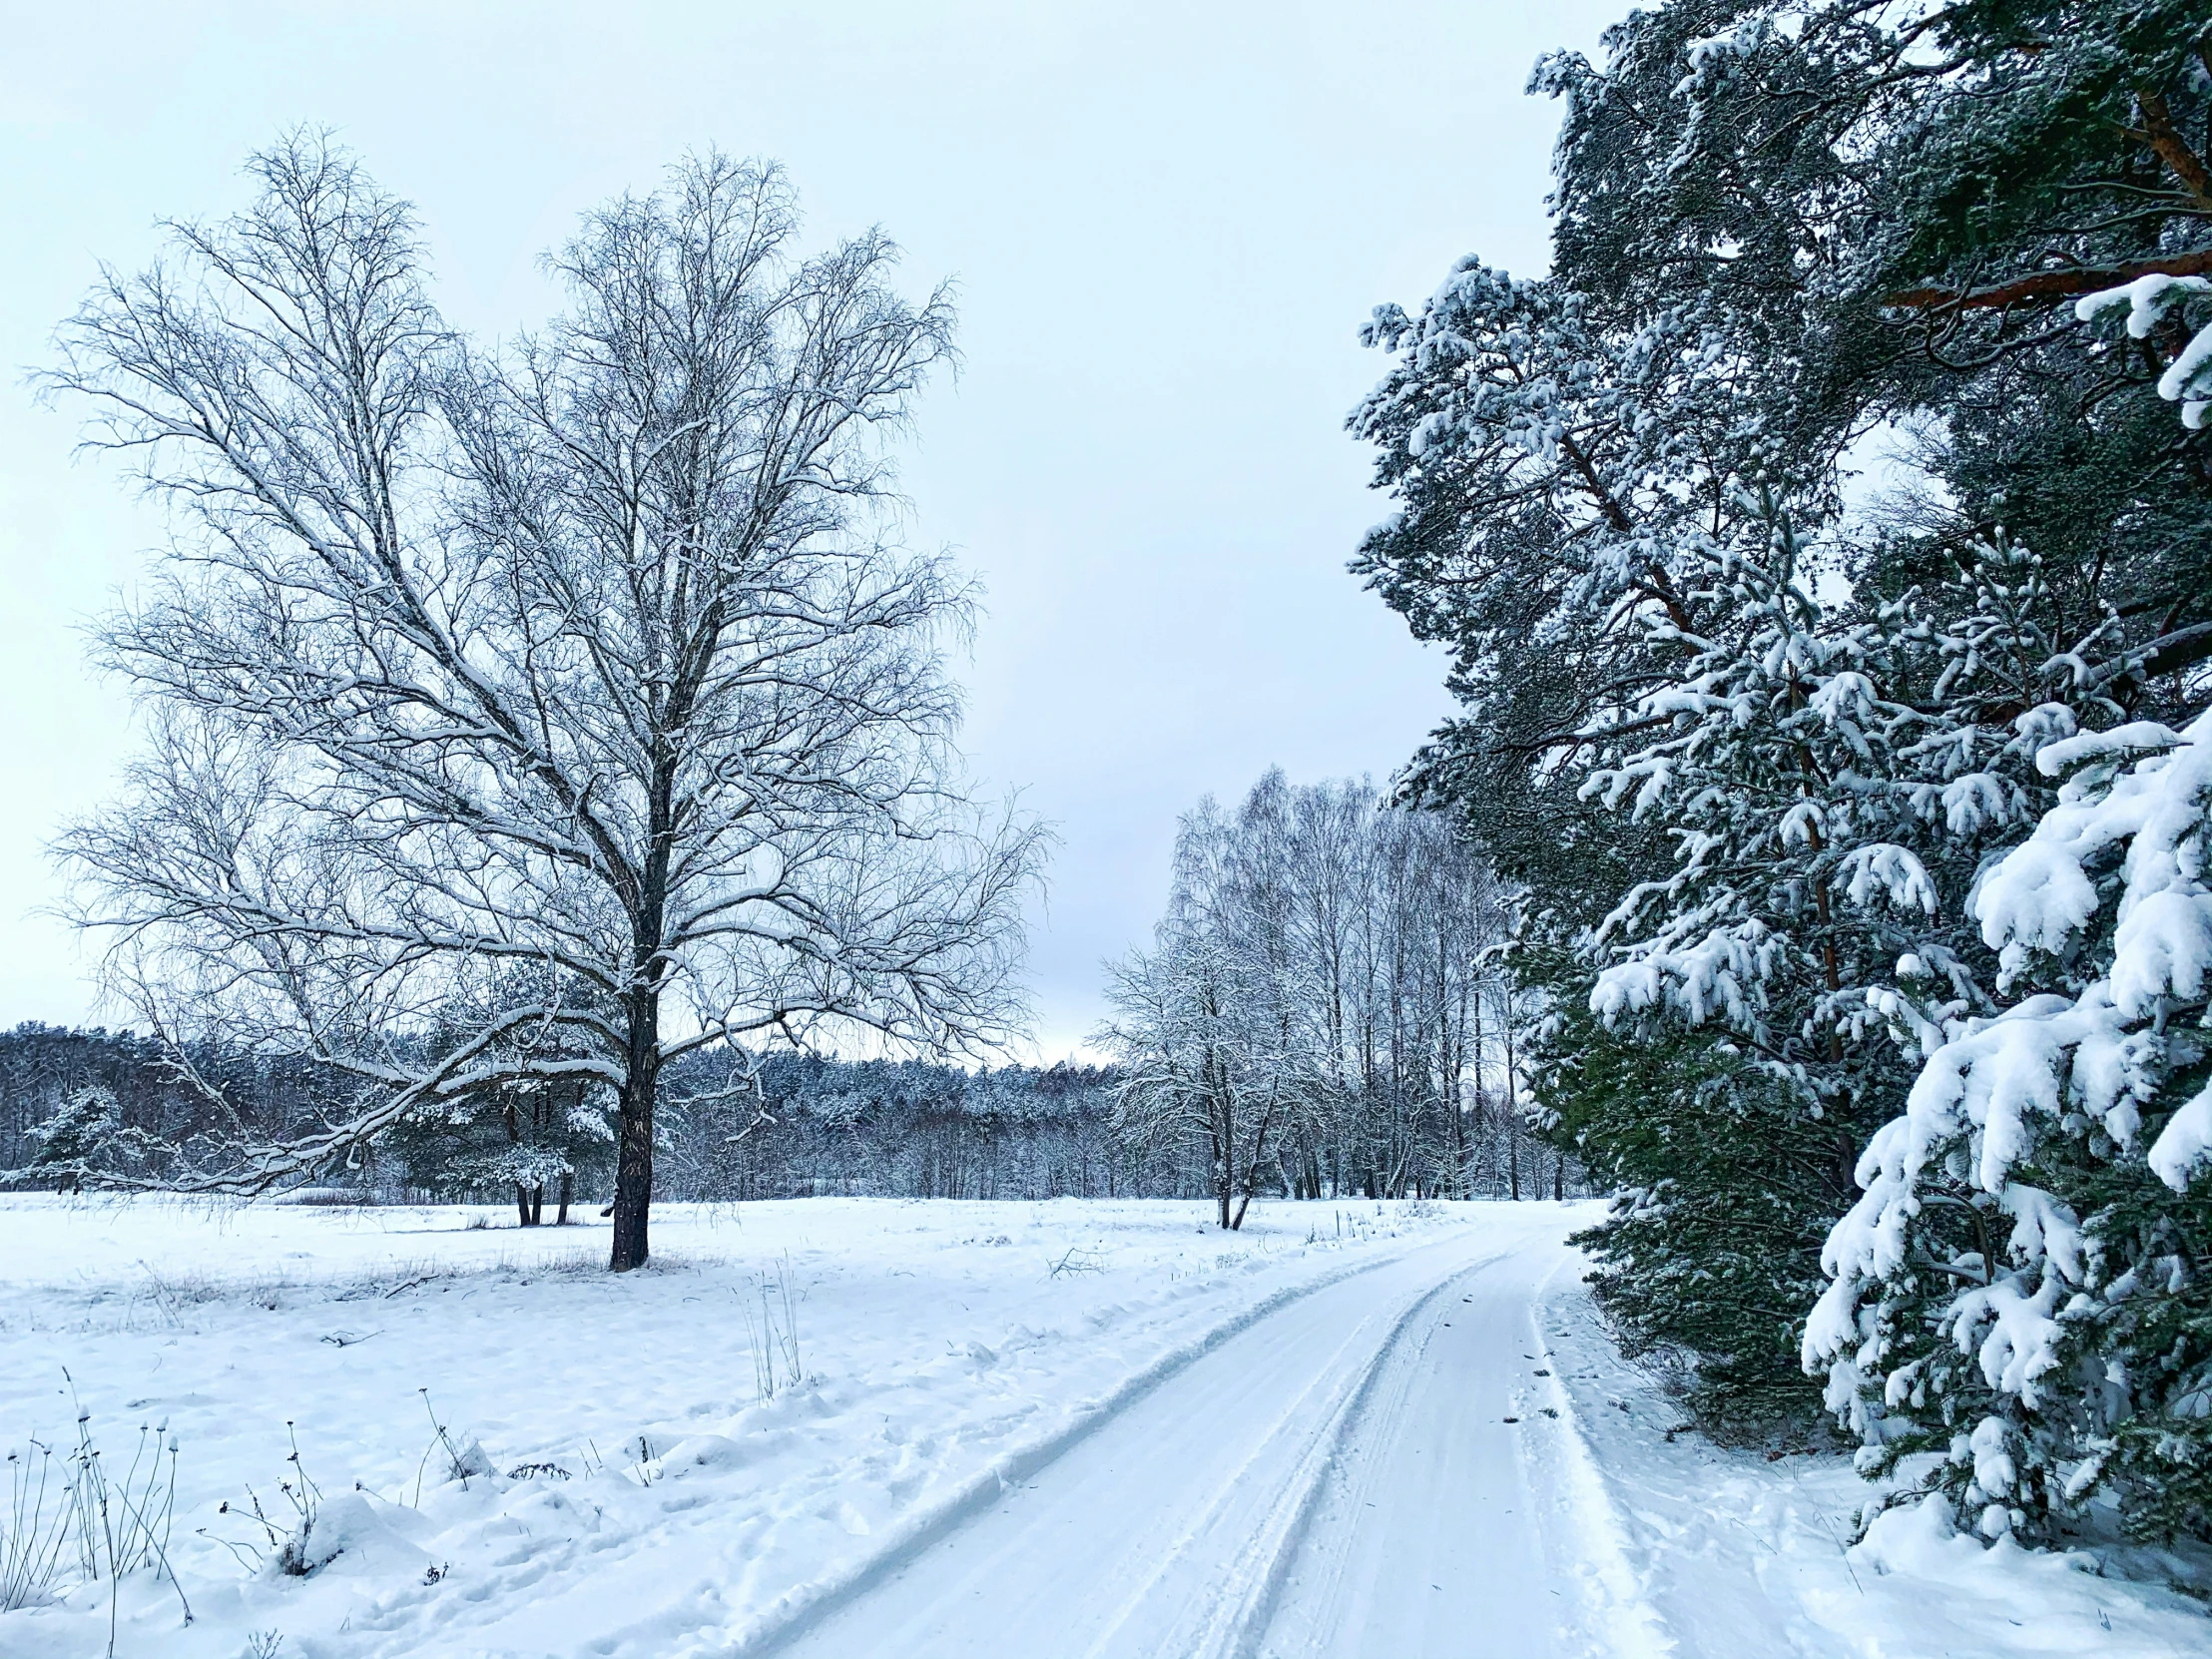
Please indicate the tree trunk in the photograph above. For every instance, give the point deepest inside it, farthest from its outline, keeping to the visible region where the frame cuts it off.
(1512, 1102)
(1222, 1132)
(642, 1074)
(1225, 1179)
(1559, 1176)
(633, 1179)
(634, 1138)
(514, 1138)
(568, 1191)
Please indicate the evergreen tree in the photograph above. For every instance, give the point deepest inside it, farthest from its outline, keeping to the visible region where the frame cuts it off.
(78, 1139)
(2026, 1286)
(1750, 824)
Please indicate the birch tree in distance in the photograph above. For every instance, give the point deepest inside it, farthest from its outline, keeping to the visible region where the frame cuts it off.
(1323, 1011)
(592, 656)
(1206, 1023)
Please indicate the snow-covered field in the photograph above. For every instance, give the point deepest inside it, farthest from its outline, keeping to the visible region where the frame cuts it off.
(856, 1426)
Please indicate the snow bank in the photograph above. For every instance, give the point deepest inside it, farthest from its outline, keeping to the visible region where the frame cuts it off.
(1739, 1554)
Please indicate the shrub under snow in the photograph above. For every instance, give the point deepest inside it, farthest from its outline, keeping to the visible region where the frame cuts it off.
(2021, 1286)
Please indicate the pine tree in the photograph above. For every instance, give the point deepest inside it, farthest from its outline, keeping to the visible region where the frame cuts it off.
(1750, 824)
(1829, 781)
(2026, 1286)
(79, 1140)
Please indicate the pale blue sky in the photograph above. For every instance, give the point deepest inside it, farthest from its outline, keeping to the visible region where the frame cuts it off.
(1167, 221)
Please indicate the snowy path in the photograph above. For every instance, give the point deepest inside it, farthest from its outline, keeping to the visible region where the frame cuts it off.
(1239, 1508)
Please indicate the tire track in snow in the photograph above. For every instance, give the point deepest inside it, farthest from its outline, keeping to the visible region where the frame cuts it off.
(1456, 1517)
(796, 1614)
(1230, 1517)
(1250, 1579)
(1301, 1499)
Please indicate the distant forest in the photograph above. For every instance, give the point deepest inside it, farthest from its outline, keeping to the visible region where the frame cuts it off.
(909, 1129)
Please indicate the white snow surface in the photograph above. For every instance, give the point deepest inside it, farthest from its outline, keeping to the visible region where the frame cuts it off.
(1737, 1555)
(1037, 1430)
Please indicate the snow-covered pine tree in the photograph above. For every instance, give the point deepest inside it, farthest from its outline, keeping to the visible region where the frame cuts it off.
(2025, 1287)
(80, 1140)
(1848, 217)
(1560, 464)
(1546, 462)
(1935, 216)
(1827, 779)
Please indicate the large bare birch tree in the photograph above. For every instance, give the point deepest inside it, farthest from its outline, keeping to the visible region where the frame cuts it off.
(582, 683)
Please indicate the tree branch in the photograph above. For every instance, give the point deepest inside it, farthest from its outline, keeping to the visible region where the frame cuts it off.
(2049, 286)
(2160, 134)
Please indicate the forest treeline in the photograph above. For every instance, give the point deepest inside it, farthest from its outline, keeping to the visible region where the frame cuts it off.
(1824, 550)
(95, 1107)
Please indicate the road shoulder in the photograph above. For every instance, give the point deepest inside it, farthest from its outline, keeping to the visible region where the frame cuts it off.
(1739, 1554)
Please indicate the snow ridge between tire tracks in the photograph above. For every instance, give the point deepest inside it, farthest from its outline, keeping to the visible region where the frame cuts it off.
(799, 1610)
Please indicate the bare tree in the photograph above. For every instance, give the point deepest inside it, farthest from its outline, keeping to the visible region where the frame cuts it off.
(1326, 984)
(595, 653)
(1207, 1027)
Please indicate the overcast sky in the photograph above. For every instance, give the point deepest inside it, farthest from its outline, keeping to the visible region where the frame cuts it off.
(1166, 221)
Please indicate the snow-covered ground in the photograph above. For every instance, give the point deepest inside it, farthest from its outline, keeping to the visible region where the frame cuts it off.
(1735, 1553)
(847, 1427)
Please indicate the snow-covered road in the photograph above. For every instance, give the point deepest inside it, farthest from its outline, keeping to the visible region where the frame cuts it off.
(1380, 1467)
(873, 1429)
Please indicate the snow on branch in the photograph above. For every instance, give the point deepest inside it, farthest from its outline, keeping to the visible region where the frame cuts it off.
(2149, 299)
(2055, 1076)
